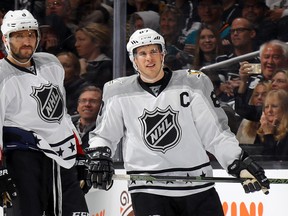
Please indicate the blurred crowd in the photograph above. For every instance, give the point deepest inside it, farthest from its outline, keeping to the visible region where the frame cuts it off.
(253, 92)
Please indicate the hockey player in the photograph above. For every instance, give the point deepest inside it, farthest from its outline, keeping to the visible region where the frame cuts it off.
(38, 137)
(166, 121)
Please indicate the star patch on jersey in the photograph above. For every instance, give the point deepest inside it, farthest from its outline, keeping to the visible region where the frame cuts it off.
(160, 128)
(50, 103)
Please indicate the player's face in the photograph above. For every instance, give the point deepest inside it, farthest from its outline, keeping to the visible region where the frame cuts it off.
(22, 45)
(149, 62)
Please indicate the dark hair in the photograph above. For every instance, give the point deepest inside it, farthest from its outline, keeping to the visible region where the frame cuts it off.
(90, 88)
(198, 53)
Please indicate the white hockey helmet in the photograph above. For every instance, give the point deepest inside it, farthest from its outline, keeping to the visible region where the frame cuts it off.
(19, 20)
(144, 37)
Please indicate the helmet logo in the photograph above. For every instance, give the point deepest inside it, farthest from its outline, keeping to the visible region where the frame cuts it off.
(134, 42)
(50, 103)
(160, 128)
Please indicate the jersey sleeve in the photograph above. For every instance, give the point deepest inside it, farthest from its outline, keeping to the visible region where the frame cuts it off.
(109, 125)
(212, 123)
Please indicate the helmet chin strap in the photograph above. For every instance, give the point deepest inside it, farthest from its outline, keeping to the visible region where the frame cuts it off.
(22, 63)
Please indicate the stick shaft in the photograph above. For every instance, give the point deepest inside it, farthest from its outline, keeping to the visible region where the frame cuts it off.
(136, 177)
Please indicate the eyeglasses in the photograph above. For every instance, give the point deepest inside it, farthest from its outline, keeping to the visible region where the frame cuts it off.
(54, 4)
(152, 53)
(239, 30)
(89, 101)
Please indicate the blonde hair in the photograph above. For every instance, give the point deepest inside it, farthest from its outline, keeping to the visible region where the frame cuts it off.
(282, 128)
(97, 32)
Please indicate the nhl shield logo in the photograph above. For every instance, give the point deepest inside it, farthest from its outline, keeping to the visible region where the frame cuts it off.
(161, 129)
(50, 103)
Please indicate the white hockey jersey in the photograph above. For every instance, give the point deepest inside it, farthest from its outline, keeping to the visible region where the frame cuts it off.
(35, 102)
(167, 134)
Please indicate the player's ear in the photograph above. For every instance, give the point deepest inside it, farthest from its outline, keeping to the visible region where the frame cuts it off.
(4, 39)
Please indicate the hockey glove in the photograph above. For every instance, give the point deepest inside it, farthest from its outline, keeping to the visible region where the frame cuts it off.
(100, 169)
(82, 171)
(246, 167)
(7, 188)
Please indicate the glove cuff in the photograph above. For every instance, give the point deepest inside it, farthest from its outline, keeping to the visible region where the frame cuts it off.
(102, 152)
(238, 165)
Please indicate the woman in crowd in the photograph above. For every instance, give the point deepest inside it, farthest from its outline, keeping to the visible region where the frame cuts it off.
(273, 130)
(247, 131)
(208, 47)
(278, 81)
(93, 44)
(171, 24)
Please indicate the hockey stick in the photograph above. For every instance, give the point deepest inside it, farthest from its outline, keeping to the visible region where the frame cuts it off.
(138, 177)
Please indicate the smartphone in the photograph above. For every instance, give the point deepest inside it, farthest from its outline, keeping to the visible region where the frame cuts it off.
(256, 68)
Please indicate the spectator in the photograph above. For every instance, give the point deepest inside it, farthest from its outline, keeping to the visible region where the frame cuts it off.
(231, 10)
(171, 24)
(247, 131)
(256, 12)
(88, 107)
(242, 36)
(274, 125)
(280, 80)
(190, 16)
(93, 44)
(208, 46)
(56, 36)
(62, 9)
(278, 14)
(73, 84)
(144, 19)
(253, 113)
(87, 11)
(210, 13)
(273, 56)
